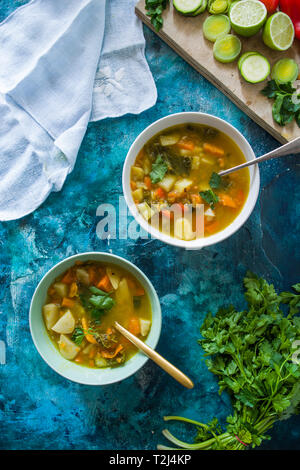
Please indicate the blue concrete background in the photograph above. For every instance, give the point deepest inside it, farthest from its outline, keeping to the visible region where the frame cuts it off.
(41, 410)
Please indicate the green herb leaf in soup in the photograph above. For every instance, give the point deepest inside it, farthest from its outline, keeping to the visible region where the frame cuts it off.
(159, 169)
(210, 197)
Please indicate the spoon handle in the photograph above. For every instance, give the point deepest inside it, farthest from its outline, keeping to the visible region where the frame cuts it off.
(292, 147)
(157, 358)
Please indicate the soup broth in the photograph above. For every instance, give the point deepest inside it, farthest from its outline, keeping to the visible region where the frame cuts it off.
(178, 169)
(82, 306)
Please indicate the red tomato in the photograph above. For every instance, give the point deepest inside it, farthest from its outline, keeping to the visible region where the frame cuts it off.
(271, 5)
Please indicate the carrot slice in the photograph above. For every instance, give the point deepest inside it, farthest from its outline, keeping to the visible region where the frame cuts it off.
(186, 145)
(148, 182)
(227, 201)
(133, 185)
(92, 353)
(139, 291)
(104, 284)
(67, 302)
(213, 149)
(160, 193)
(134, 326)
(90, 338)
(109, 355)
(73, 290)
(92, 275)
(68, 277)
(131, 283)
(211, 228)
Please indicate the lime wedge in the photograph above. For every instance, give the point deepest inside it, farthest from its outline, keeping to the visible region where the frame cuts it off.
(279, 32)
(247, 17)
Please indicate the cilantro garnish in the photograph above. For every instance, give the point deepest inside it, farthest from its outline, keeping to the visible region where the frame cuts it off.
(285, 107)
(210, 197)
(215, 181)
(159, 169)
(79, 334)
(253, 353)
(154, 9)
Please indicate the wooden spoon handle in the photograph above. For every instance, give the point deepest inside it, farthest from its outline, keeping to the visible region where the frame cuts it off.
(157, 358)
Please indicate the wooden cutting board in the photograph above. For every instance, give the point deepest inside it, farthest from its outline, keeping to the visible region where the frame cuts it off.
(184, 35)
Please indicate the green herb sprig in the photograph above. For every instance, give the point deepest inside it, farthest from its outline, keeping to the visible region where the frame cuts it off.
(285, 109)
(154, 9)
(251, 353)
(159, 169)
(79, 334)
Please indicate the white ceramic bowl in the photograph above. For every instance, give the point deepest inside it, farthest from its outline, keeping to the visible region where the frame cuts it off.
(185, 118)
(68, 369)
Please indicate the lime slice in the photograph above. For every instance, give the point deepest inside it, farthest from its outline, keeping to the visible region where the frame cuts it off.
(247, 17)
(279, 32)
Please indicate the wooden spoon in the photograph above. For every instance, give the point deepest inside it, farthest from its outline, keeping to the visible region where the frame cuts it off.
(157, 358)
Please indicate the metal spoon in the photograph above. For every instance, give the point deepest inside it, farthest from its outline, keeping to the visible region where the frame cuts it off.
(292, 147)
(157, 358)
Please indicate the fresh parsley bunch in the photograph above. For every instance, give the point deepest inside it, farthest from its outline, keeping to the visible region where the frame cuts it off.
(154, 9)
(285, 107)
(251, 354)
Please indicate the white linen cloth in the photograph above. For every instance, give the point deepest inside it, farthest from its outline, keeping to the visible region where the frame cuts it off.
(63, 63)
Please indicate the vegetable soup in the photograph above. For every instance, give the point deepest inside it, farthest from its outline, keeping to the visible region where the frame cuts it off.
(177, 171)
(82, 305)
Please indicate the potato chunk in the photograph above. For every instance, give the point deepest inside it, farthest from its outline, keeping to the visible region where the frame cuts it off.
(145, 326)
(170, 139)
(124, 298)
(138, 195)
(183, 229)
(67, 348)
(137, 173)
(182, 184)
(114, 277)
(61, 289)
(83, 276)
(167, 183)
(50, 312)
(145, 210)
(65, 324)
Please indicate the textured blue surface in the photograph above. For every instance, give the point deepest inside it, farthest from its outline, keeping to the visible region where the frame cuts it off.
(41, 410)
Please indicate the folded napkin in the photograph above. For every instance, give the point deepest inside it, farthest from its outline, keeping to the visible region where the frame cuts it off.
(63, 63)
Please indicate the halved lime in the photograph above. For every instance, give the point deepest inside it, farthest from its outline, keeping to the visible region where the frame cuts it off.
(247, 17)
(279, 32)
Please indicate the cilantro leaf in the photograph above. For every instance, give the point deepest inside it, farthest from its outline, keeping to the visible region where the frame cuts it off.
(210, 197)
(154, 9)
(102, 302)
(78, 336)
(159, 169)
(284, 109)
(215, 181)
